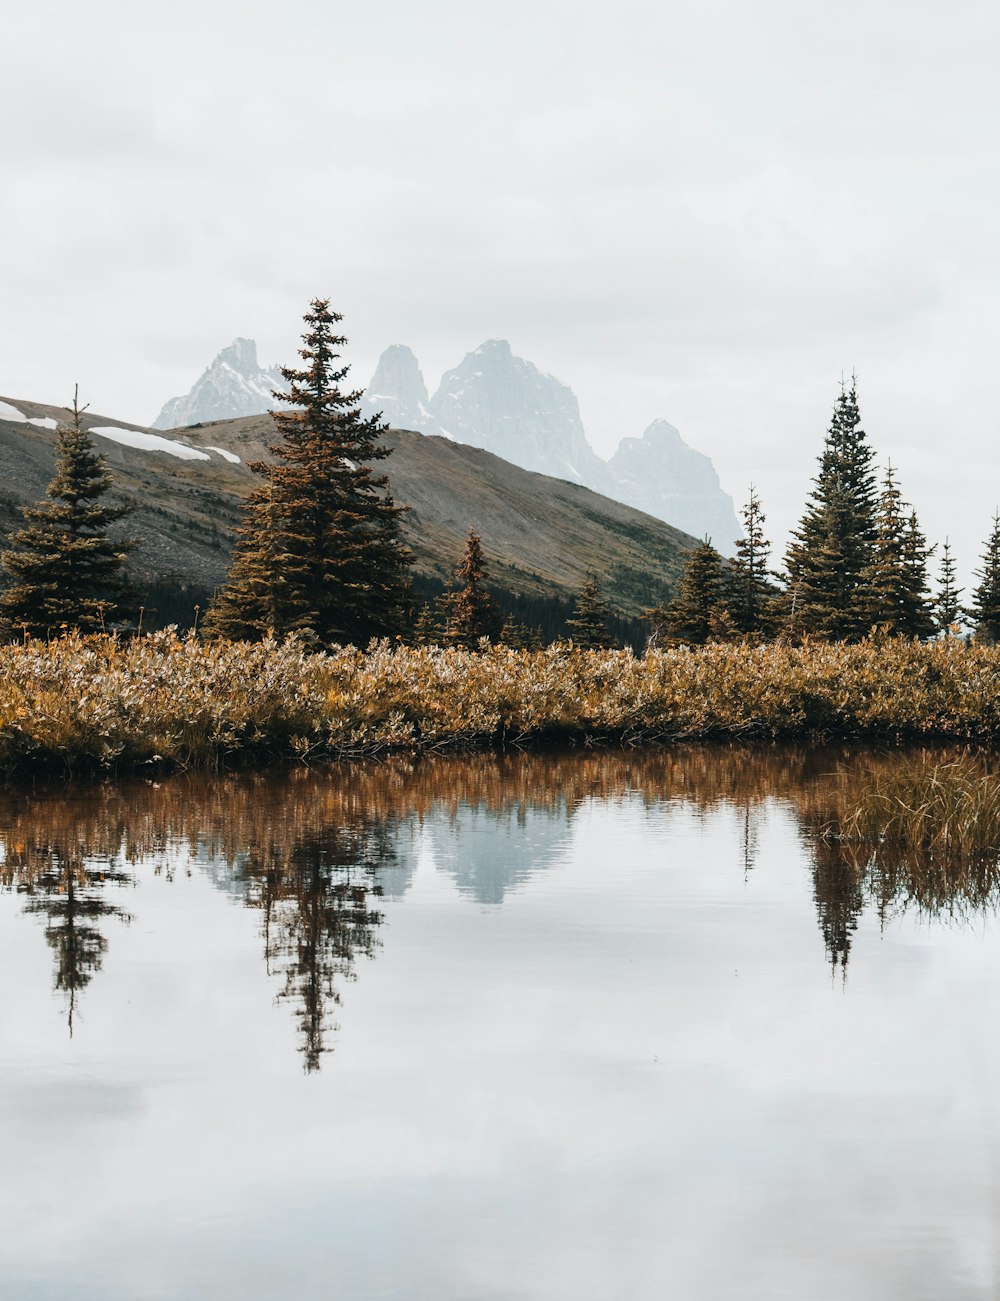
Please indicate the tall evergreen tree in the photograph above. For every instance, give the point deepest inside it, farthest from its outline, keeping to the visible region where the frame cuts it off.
(917, 614)
(948, 609)
(883, 589)
(750, 594)
(831, 548)
(319, 551)
(985, 607)
(588, 623)
(473, 611)
(63, 569)
(691, 614)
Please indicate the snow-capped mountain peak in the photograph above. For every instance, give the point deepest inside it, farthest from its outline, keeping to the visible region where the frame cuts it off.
(235, 384)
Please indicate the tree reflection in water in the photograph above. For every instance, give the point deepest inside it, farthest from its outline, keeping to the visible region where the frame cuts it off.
(63, 858)
(314, 853)
(318, 921)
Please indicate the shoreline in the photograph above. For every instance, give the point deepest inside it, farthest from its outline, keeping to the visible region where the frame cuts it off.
(97, 705)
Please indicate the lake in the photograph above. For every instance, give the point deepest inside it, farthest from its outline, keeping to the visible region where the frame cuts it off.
(581, 1026)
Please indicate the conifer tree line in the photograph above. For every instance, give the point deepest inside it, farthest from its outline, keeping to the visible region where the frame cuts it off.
(319, 553)
(856, 565)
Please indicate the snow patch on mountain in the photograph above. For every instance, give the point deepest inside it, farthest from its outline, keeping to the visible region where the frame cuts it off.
(149, 442)
(7, 412)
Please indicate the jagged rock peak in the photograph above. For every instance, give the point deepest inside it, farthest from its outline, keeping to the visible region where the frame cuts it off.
(661, 433)
(397, 391)
(241, 355)
(497, 400)
(235, 384)
(660, 474)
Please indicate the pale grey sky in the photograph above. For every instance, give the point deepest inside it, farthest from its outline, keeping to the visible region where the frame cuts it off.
(703, 211)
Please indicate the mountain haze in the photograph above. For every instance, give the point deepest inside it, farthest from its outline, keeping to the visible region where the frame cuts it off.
(503, 404)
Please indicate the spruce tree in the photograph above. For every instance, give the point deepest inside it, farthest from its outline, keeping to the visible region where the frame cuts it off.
(473, 611)
(750, 594)
(63, 570)
(690, 615)
(917, 613)
(883, 590)
(831, 548)
(588, 623)
(948, 611)
(985, 607)
(319, 551)
(520, 636)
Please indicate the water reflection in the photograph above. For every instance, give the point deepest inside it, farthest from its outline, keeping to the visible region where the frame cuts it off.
(315, 895)
(62, 858)
(316, 854)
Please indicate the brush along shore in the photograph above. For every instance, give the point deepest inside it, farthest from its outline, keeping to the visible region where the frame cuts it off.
(85, 703)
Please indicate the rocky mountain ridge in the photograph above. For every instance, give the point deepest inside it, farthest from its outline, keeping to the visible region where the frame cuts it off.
(542, 536)
(503, 404)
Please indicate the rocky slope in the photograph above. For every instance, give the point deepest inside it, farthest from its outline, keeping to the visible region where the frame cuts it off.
(542, 535)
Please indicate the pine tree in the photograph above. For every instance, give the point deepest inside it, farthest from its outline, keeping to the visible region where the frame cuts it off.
(319, 551)
(425, 626)
(895, 596)
(948, 609)
(588, 623)
(690, 613)
(917, 613)
(64, 571)
(831, 549)
(750, 594)
(520, 636)
(883, 590)
(473, 613)
(985, 608)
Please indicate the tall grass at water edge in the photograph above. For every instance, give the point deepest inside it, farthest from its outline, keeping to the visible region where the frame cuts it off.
(97, 702)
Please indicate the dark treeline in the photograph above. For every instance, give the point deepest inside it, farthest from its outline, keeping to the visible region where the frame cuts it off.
(319, 553)
(544, 619)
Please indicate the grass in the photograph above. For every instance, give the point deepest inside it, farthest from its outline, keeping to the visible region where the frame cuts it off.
(99, 703)
(947, 810)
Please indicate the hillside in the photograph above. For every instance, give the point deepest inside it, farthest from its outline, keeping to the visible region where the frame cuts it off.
(542, 535)
(504, 404)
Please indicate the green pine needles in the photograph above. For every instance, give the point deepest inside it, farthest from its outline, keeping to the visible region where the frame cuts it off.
(319, 552)
(63, 570)
(831, 550)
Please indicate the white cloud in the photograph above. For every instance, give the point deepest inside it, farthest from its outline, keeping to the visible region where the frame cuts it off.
(702, 211)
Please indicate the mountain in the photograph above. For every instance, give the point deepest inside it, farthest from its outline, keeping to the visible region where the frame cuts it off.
(504, 404)
(234, 385)
(542, 536)
(660, 474)
(397, 391)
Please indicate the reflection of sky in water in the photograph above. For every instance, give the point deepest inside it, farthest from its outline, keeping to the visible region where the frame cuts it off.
(637, 1078)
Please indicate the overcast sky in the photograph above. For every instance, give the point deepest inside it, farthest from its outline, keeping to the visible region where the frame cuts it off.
(705, 211)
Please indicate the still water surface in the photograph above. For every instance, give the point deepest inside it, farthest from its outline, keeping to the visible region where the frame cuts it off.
(583, 1027)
